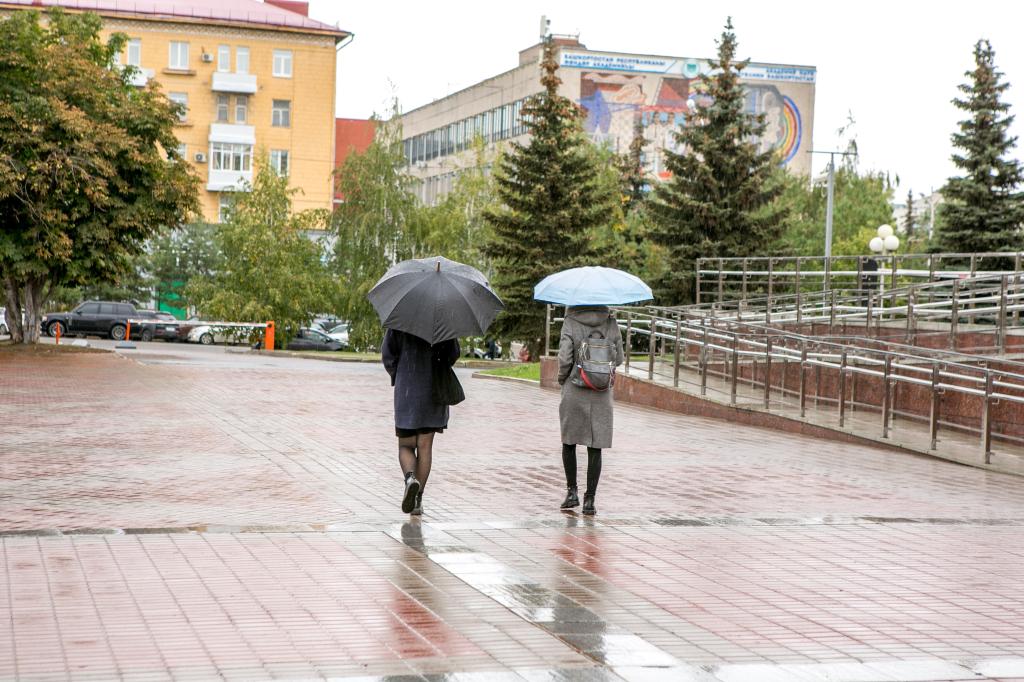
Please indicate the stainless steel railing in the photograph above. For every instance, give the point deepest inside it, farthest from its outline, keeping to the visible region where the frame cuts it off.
(783, 370)
(724, 279)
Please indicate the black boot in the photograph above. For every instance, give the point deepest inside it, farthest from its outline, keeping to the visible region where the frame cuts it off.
(418, 509)
(572, 498)
(588, 504)
(412, 489)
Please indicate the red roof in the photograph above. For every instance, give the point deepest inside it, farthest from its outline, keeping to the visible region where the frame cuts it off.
(351, 135)
(245, 12)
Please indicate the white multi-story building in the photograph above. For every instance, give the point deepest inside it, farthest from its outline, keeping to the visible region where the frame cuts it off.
(616, 91)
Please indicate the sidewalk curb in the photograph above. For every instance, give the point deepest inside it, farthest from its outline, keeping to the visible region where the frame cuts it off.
(495, 377)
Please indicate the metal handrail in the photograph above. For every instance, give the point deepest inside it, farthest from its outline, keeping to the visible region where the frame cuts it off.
(746, 345)
(742, 274)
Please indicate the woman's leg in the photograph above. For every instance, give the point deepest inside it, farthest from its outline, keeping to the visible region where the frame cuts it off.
(569, 464)
(593, 469)
(407, 455)
(424, 457)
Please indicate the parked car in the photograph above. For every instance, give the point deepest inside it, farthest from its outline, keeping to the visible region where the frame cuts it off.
(477, 348)
(91, 318)
(326, 323)
(4, 331)
(163, 326)
(208, 334)
(313, 339)
(339, 333)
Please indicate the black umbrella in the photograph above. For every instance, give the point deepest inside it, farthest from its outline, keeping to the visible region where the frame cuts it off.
(435, 299)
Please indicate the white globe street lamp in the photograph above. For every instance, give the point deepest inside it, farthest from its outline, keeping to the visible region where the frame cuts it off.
(884, 245)
(886, 242)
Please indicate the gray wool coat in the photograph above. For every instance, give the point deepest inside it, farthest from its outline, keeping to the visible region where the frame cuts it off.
(585, 414)
(408, 359)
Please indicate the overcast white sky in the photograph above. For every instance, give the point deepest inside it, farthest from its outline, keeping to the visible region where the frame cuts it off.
(896, 64)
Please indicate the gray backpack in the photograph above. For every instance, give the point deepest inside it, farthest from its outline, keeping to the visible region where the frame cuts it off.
(595, 363)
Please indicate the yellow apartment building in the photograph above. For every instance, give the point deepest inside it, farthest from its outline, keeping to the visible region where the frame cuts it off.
(253, 76)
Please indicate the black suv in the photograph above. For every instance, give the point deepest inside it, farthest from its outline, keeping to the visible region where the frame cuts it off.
(155, 324)
(92, 318)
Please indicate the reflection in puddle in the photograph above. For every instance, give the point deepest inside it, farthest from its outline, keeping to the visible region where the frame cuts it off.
(562, 617)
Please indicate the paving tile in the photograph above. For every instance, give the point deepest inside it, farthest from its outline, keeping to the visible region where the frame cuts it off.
(240, 535)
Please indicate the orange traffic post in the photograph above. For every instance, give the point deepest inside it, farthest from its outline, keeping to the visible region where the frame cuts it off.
(58, 334)
(268, 336)
(128, 331)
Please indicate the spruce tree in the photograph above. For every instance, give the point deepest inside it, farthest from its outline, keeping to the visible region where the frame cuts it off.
(720, 200)
(908, 229)
(634, 177)
(983, 208)
(551, 201)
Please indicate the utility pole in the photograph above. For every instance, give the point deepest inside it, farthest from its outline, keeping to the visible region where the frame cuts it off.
(829, 206)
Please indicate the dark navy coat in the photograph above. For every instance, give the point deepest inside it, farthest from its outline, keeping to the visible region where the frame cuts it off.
(408, 359)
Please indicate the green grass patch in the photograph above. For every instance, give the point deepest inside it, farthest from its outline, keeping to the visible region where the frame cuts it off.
(526, 370)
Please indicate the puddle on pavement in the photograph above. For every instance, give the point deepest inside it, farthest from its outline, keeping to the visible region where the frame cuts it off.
(563, 618)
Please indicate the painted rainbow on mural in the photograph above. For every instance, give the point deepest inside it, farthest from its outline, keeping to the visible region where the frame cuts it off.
(794, 129)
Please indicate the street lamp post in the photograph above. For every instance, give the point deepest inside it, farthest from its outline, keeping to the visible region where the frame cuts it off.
(885, 244)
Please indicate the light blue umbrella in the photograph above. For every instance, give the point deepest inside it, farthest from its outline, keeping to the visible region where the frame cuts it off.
(592, 285)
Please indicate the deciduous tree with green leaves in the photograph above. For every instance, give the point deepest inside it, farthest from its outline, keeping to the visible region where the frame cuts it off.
(862, 203)
(272, 269)
(378, 224)
(551, 202)
(456, 227)
(983, 209)
(172, 259)
(720, 200)
(88, 167)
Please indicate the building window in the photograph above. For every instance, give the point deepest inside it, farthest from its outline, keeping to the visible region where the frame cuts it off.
(241, 60)
(223, 58)
(223, 104)
(180, 98)
(283, 63)
(279, 161)
(224, 208)
(281, 114)
(517, 118)
(179, 56)
(241, 108)
(230, 156)
(134, 52)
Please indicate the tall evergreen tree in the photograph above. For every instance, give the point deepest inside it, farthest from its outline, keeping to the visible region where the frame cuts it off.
(551, 202)
(983, 208)
(720, 200)
(908, 228)
(634, 177)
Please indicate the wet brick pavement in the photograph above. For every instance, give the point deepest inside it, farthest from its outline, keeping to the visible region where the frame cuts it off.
(185, 513)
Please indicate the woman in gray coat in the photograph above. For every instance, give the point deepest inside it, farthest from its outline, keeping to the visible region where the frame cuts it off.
(410, 361)
(585, 414)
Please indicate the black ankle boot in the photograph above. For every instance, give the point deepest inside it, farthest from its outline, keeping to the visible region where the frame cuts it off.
(572, 499)
(418, 509)
(588, 505)
(412, 489)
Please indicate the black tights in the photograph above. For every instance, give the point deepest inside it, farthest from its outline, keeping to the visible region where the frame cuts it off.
(593, 467)
(415, 454)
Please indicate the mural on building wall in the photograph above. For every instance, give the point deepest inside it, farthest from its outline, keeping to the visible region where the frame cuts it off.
(614, 102)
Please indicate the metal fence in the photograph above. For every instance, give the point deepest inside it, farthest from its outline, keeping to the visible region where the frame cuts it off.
(725, 279)
(989, 305)
(786, 370)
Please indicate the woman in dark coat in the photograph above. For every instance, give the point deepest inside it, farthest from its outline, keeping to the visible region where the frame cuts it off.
(410, 361)
(585, 414)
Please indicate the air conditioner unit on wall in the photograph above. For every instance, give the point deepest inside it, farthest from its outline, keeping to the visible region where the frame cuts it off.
(207, 57)
(200, 157)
